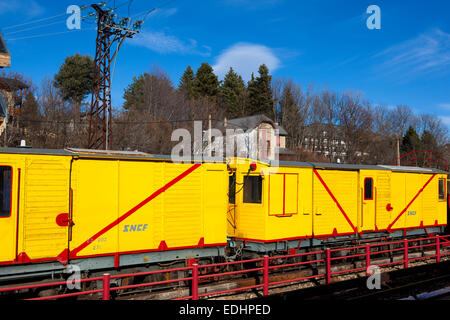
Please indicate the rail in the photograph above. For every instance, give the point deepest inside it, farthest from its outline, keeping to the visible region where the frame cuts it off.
(262, 265)
(430, 159)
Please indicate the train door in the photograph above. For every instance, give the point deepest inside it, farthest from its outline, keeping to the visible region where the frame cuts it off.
(9, 181)
(368, 201)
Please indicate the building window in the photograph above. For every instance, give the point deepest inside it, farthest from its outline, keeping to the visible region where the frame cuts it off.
(232, 189)
(368, 189)
(5, 190)
(441, 189)
(252, 189)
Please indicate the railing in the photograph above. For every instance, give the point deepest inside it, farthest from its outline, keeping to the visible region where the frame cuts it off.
(430, 158)
(365, 252)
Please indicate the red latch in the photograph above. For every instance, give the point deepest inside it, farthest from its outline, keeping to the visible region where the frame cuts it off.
(389, 207)
(63, 220)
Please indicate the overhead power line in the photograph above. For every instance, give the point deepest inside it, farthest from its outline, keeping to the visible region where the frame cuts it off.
(146, 13)
(35, 21)
(50, 34)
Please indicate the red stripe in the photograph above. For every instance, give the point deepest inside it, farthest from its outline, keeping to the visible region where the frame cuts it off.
(409, 204)
(335, 200)
(136, 208)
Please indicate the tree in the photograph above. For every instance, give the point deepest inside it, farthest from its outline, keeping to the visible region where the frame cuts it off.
(355, 122)
(206, 83)
(134, 94)
(152, 92)
(411, 141)
(232, 93)
(290, 115)
(260, 94)
(74, 79)
(187, 83)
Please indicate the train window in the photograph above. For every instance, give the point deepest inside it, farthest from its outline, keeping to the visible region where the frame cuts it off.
(5, 192)
(368, 189)
(232, 189)
(252, 189)
(441, 189)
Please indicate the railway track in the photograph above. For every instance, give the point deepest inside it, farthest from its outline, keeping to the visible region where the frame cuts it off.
(342, 289)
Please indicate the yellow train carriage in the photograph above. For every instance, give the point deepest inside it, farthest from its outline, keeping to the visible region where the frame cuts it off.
(291, 205)
(103, 210)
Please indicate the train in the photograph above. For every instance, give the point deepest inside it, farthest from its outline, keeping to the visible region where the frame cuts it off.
(131, 211)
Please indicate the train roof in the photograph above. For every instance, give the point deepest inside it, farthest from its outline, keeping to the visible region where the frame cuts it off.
(89, 153)
(351, 167)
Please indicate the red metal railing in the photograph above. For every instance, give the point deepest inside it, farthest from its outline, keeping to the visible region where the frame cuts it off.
(430, 158)
(265, 265)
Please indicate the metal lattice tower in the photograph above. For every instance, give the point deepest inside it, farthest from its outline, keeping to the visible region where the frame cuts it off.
(108, 32)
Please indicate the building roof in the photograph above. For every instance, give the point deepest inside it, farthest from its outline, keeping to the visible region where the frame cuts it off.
(3, 47)
(252, 122)
(11, 84)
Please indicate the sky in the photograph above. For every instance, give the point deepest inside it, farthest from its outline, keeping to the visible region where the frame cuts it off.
(324, 43)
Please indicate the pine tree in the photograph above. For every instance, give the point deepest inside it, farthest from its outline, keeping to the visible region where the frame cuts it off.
(134, 94)
(74, 79)
(232, 93)
(206, 83)
(260, 93)
(411, 141)
(251, 96)
(187, 83)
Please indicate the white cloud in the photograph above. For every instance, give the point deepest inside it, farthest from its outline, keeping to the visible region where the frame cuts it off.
(427, 54)
(446, 120)
(445, 106)
(161, 42)
(165, 13)
(245, 58)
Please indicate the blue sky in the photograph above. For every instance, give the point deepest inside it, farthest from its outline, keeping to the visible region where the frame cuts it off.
(323, 42)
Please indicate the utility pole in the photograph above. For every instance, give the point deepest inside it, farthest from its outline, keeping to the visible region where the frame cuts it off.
(110, 30)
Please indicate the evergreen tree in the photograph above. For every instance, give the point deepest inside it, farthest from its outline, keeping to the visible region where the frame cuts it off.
(134, 94)
(232, 93)
(187, 83)
(74, 79)
(411, 141)
(206, 83)
(260, 93)
(251, 94)
(290, 116)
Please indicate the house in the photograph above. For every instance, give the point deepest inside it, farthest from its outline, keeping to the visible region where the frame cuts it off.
(11, 90)
(5, 62)
(261, 137)
(325, 140)
(5, 56)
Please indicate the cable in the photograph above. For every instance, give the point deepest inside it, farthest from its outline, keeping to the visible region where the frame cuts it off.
(36, 27)
(82, 7)
(148, 12)
(49, 34)
(35, 21)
